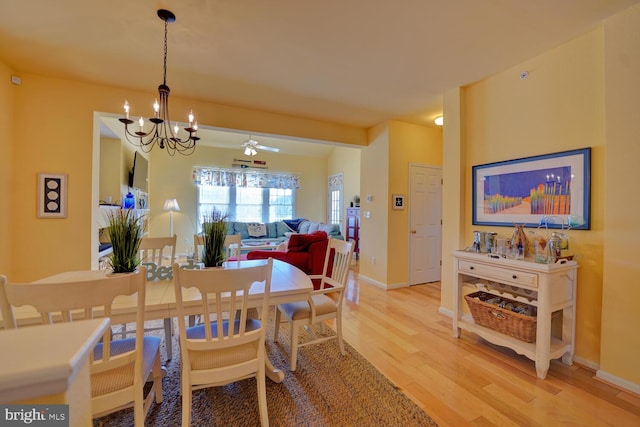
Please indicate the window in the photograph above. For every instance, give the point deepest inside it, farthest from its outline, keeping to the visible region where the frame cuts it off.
(334, 207)
(334, 201)
(246, 204)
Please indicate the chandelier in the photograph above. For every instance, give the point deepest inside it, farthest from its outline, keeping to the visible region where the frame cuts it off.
(162, 132)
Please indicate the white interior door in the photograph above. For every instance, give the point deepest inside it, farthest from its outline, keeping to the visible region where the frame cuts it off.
(425, 224)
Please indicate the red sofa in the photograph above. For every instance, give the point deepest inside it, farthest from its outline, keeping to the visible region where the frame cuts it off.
(305, 251)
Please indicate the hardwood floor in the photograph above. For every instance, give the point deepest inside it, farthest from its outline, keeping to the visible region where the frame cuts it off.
(468, 381)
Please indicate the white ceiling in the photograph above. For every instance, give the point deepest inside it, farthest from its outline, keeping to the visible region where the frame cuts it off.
(356, 62)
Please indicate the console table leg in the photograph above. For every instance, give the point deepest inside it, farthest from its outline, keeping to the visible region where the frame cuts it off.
(542, 367)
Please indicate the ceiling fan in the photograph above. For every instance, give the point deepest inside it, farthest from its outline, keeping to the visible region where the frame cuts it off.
(251, 147)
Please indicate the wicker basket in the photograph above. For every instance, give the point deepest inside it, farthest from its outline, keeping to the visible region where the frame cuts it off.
(503, 320)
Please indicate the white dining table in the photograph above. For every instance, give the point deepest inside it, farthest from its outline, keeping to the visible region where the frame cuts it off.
(288, 284)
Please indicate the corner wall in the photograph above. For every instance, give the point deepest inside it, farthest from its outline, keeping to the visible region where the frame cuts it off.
(559, 107)
(384, 237)
(620, 349)
(582, 94)
(7, 101)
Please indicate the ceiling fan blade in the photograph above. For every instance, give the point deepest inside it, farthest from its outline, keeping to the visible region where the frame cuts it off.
(265, 148)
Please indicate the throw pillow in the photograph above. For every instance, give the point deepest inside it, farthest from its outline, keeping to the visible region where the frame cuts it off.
(256, 229)
(301, 242)
(293, 224)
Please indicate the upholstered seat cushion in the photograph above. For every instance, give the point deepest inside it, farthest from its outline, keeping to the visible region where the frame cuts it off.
(302, 310)
(119, 378)
(220, 358)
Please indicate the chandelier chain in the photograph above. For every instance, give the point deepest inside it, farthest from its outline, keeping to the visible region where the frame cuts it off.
(164, 76)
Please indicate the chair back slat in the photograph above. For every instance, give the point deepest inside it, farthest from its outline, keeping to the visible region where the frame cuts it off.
(152, 249)
(342, 253)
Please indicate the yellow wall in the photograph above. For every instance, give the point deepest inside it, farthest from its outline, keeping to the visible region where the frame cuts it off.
(558, 107)
(582, 94)
(7, 91)
(374, 181)
(620, 349)
(55, 119)
(454, 202)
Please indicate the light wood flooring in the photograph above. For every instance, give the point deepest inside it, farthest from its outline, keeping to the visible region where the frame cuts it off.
(468, 381)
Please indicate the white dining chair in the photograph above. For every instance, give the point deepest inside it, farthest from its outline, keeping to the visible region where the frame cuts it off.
(323, 304)
(157, 254)
(229, 345)
(119, 368)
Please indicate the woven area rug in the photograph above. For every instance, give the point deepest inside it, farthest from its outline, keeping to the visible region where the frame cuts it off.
(327, 389)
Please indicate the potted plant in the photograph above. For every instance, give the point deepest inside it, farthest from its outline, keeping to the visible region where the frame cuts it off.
(356, 200)
(214, 230)
(125, 231)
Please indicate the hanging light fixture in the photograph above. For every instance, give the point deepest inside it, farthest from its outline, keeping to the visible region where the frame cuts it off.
(162, 133)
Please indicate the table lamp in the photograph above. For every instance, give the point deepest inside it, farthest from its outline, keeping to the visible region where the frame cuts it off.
(171, 205)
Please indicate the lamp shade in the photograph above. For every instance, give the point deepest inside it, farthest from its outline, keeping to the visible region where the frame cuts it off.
(171, 205)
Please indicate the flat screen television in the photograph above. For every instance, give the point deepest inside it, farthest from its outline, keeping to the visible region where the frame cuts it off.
(138, 174)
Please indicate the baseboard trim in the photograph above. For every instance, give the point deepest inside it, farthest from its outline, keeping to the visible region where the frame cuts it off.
(380, 284)
(617, 382)
(589, 364)
(445, 311)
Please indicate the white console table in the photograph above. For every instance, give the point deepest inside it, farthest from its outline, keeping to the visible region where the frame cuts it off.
(549, 287)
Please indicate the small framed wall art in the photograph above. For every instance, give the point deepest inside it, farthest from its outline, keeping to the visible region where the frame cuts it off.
(52, 195)
(397, 201)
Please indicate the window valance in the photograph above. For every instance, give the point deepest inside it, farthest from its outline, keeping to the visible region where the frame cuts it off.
(220, 177)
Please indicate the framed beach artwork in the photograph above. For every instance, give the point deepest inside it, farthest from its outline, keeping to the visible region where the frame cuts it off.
(553, 189)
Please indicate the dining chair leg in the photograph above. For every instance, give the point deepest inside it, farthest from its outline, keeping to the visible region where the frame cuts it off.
(186, 400)
(294, 344)
(262, 395)
(138, 408)
(276, 326)
(339, 332)
(168, 333)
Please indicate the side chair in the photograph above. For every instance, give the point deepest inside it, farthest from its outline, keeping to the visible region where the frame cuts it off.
(230, 344)
(158, 254)
(323, 304)
(232, 252)
(119, 368)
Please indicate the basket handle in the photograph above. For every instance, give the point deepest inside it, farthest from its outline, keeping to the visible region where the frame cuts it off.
(498, 315)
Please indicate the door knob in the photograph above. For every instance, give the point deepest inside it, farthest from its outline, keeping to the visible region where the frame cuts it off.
(413, 231)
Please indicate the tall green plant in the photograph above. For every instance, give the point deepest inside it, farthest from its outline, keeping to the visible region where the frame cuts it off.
(214, 230)
(125, 231)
